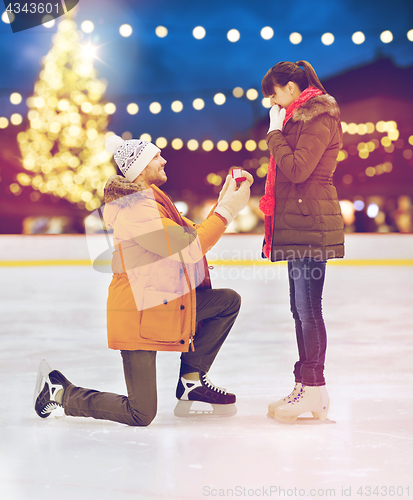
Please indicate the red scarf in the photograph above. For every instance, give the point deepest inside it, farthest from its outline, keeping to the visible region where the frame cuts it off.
(267, 202)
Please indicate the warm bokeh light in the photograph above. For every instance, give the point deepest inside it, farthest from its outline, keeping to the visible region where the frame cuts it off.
(386, 36)
(236, 146)
(87, 26)
(155, 108)
(7, 18)
(126, 30)
(238, 92)
(266, 102)
(352, 128)
(161, 142)
(132, 108)
(233, 35)
(214, 179)
(207, 145)
(327, 38)
(223, 146)
(145, 137)
(381, 126)
(347, 210)
(192, 145)
(4, 122)
(341, 155)
(127, 136)
(262, 170)
(296, 38)
(391, 125)
(267, 33)
(198, 32)
(198, 104)
(110, 108)
(16, 119)
(410, 35)
(161, 31)
(15, 98)
(263, 145)
(177, 144)
(358, 37)
(177, 106)
(48, 21)
(250, 145)
(361, 129)
(252, 94)
(393, 135)
(219, 99)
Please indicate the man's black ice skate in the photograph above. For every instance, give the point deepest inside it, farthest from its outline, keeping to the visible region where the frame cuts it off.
(48, 384)
(203, 390)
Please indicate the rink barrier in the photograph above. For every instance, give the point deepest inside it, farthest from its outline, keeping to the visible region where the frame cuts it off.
(214, 263)
(361, 249)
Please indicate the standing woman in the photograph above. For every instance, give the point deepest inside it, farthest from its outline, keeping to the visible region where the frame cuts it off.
(303, 221)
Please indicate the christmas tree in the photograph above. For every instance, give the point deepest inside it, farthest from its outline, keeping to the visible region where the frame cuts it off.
(63, 150)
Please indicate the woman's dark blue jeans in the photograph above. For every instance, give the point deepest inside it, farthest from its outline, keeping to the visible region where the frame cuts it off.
(306, 278)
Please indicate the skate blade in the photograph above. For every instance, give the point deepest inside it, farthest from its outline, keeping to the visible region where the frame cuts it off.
(42, 374)
(303, 421)
(199, 409)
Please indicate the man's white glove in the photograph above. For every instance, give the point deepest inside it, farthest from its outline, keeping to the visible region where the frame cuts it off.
(233, 200)
(276, 118)
(249, 177)
(224, 187)
(246, 174)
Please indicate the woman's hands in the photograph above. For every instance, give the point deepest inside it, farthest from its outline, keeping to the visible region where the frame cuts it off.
(277, 116)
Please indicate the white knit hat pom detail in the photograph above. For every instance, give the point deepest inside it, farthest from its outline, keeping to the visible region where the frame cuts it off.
(113, 143)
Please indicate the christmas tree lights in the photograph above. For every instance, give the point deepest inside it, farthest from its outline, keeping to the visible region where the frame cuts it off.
(63, 150)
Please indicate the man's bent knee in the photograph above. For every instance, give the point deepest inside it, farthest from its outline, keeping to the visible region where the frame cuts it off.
(138, 419)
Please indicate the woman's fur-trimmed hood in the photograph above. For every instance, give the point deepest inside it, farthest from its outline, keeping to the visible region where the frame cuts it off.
(317, 106)
(118, 191)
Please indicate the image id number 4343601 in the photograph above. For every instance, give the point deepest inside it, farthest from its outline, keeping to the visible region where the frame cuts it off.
(33, 8)
(383, 491)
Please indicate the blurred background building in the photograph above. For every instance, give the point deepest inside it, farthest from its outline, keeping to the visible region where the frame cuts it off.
(188, 79)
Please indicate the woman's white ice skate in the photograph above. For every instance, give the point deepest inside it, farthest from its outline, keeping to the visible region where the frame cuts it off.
(310, 399)
(201, 398)
(295, 392)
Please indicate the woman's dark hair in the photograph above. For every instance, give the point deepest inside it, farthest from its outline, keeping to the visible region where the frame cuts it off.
(284, 72)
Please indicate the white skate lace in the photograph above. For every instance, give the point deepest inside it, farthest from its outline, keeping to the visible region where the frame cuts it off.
(213, 387)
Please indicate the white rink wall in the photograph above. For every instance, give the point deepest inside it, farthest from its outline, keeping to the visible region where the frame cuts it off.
(231, 249)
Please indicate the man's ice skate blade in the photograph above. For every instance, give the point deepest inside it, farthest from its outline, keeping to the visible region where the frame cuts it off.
(188, 409)
(42, 374)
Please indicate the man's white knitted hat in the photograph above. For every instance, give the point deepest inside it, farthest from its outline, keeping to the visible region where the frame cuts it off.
(131, 156)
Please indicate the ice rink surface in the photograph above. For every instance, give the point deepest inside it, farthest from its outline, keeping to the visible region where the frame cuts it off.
(58, 313)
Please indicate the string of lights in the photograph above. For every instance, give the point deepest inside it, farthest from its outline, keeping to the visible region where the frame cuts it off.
(233, 35)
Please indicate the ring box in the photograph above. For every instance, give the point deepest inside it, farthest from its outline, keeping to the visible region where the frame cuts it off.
(237, 175)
